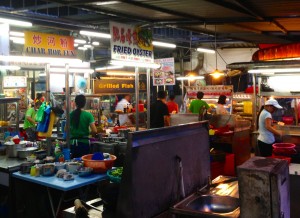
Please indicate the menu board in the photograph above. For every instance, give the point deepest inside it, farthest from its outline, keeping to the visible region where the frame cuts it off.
(165, 75)
(14, 81)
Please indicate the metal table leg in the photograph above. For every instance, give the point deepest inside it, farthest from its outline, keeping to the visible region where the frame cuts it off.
(55, 213)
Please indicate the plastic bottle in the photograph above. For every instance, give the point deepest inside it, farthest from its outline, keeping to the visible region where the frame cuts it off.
(57, 151)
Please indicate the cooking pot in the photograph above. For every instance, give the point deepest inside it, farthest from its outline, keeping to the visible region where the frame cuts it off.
(25, 152)
(12, 149)
(25, 167)
(47, 169)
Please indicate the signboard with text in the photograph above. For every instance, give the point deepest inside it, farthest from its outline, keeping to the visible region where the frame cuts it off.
(130, 43)
(214, 90)
(117, 86)
(14, 81)
(43, 44)
(165, 75)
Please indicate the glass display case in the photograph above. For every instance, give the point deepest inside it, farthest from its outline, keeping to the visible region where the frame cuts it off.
(242, 104)
(9, 115)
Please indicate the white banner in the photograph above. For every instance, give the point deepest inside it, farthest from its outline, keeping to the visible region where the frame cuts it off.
(165, 75)
(129, 43)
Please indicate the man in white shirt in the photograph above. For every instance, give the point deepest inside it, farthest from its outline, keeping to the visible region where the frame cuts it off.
(124, 103)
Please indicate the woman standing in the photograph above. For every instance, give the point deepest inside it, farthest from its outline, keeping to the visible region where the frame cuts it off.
(220, 107)
(81, 122)
(266, 130)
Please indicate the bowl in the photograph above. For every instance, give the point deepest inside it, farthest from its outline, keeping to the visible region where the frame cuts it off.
(99, 166)
(25, 152)
(31, 158)
(40, 154)
(47, 169)
(16, 141)
(59, 166)
(84, 171)
(72, 167)
(115, 175)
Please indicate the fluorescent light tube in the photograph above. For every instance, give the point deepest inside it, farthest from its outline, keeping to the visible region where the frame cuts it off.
(15, 22)
(87, 46)
(108, 68)
(80, 41)
(96, 43)
(2, 67)
(13, 33)
(95, 34)
(71, 70)
(39, 60)
(82, 48)
(206, 50)
(189, 77)
(120, 74)
(163, 44)
(275, 70)
(107, 2)
(135, 64)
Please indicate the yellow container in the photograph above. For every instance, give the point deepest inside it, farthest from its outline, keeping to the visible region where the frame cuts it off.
(247, 107)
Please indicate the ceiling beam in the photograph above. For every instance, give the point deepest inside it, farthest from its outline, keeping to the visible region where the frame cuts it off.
(260, 17)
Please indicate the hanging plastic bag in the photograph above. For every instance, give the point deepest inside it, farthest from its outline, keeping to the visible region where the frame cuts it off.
(50, 126)
(43, 125)
(40, 115)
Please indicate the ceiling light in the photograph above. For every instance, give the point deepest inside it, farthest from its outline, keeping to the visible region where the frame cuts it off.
(2, 67)
(217, 74)
(15, 22)
(107, 2)
(275, 70)
(189, 77)
(79, 41)
(71, 70)
(82, 48)
(135, 64)
(39, 60)
(95, 34)
(96, 43)
(19, 41)
(163, 44)
(108, 68)
(120, 74)
(206, 50)
(76, 45)
(13, 33)
(88, 46)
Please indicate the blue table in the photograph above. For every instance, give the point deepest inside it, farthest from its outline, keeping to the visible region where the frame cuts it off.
(60, 184)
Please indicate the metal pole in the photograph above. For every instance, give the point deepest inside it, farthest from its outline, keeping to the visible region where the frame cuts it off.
(254, 100)
(47, 82)
(67, 96)
(137, 98)
(148, 98)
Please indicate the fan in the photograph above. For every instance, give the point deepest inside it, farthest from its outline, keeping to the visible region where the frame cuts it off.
(81, 84)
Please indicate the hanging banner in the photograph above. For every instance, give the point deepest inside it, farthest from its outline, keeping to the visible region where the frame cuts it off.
(43, 44)
(130, 43)
(210, 91)
(165, 75)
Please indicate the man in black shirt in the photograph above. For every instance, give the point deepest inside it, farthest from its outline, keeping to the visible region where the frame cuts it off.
(159, 114)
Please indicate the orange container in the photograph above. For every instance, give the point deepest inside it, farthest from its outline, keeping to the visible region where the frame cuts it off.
(99, 166)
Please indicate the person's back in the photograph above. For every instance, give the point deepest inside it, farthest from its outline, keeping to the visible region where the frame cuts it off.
(159, 114)
(198, 104)
(172, 106)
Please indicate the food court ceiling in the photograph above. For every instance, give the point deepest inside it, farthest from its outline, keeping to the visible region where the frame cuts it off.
(188, 23)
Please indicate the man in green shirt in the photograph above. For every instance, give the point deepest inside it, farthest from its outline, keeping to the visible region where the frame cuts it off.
(198, 104)
(29, 122)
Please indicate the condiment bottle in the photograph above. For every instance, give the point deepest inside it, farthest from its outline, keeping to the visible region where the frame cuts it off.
(32, 171)
(37, 170)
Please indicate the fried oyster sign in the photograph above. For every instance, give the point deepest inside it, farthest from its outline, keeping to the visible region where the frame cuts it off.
(129, 43)
(165, 75)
